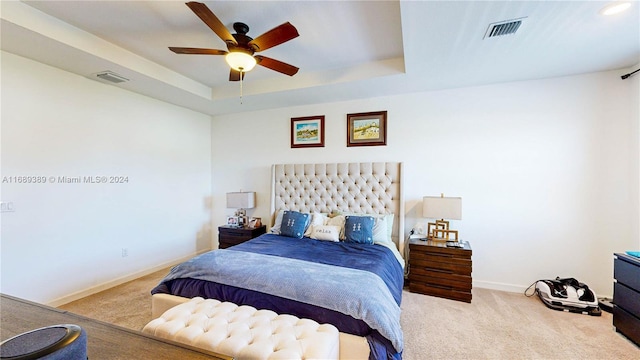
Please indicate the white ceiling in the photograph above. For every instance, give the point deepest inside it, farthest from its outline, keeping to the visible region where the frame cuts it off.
(346, 49)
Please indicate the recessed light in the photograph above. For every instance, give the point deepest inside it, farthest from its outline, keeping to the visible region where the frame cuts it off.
(615, 8)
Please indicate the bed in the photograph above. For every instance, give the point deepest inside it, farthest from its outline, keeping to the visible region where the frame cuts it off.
(354, 284)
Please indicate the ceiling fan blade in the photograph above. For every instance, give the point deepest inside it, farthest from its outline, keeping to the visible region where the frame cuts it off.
(212, 21)
(234, 75)
(197, 51)
(276, 65)
(275, 36)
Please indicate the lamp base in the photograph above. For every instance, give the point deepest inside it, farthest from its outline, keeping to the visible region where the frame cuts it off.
(242, 217)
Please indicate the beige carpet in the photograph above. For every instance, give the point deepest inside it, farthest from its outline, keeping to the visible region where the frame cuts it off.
(496, 325)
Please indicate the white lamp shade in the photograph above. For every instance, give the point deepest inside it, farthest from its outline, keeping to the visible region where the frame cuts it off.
(437, 207)
(240, 61)
(241, 200)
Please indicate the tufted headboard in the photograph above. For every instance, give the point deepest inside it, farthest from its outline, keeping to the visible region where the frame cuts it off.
(372, 188)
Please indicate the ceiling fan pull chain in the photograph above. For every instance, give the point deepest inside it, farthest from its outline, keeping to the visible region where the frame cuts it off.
(241, 86)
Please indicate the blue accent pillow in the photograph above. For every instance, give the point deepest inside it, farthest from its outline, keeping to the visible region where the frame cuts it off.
(294, 224)
(359, 229)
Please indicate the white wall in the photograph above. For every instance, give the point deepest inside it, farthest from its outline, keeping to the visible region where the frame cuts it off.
(65, 240)
(547, 169)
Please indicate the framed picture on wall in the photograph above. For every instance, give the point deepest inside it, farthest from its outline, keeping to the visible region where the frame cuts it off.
(307, 131)
(367, 129)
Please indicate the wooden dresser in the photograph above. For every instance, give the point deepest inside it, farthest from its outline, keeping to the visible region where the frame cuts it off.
(230, 236)
(626, 296)
(438, 270)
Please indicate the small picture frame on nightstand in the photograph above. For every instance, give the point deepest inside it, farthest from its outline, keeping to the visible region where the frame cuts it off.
(255, 222)
(232, 221)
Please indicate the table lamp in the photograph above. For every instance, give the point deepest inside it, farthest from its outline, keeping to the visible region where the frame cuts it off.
(241, 201)
(441, 208)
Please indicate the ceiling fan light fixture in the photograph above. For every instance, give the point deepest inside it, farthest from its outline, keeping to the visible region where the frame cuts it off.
(240, 61)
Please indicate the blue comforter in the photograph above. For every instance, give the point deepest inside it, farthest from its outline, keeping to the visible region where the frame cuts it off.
(324, 280)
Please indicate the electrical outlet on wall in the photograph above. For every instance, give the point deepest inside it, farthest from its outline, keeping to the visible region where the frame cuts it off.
(420, 228)
(7, 206)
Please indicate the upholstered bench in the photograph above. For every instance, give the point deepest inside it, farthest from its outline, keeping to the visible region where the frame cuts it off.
(245, 332)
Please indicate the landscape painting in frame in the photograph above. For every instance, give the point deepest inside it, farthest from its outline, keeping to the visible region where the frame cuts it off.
(307, 131)
(367, 129)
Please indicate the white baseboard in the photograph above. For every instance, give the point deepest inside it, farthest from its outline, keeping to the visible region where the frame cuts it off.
(512, 288)
(499, 286)
(119, 281)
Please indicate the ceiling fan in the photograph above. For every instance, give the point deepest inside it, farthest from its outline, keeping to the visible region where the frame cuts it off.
(241, 47)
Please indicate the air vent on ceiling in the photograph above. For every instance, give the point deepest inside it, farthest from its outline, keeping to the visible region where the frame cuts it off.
(506, 27)
(111, 77)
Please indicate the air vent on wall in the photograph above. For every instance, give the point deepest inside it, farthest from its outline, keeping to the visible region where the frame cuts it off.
(110, 76)
(506, 27)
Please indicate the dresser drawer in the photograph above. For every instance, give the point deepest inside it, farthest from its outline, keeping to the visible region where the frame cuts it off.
(626, 273)
(439, 257)
(453, 281)
(626, 324)
(233, 236)
(418, 247)
(627, 299)
(440, 291)
(442, 264)
(229, 241)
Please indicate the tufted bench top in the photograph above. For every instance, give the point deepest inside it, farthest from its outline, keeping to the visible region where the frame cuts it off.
(245, 332)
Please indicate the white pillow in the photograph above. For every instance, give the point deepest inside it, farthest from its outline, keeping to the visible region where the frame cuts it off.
(380, 227)
(316, 219)
(275, 229)
(389, 218)
(326, 232)
(339, 222)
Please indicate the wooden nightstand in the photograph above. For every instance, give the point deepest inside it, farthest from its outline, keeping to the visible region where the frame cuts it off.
(229, 236)
(438, 270)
